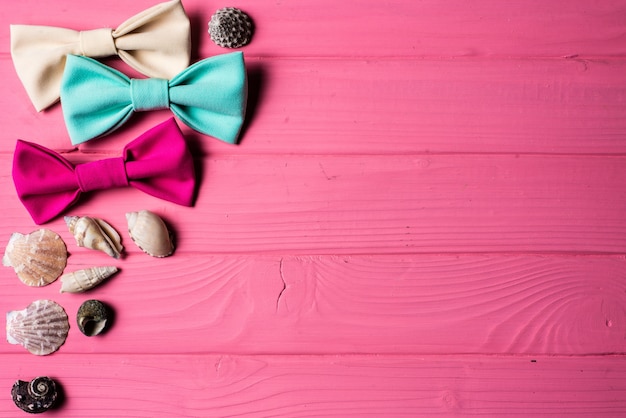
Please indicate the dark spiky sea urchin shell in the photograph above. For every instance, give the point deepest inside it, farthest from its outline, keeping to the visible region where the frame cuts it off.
(230, 28)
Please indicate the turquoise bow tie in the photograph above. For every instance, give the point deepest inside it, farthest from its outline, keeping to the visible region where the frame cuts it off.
(209, 96)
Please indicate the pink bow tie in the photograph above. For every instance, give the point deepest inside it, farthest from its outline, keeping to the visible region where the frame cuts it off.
(157, 163)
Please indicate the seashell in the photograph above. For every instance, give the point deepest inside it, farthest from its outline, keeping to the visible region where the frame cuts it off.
(95, 234)
(150, 233)
(85, 279)
(230, 28)
(36, 396)
(38, 258)
(92, 317)
(41, 327)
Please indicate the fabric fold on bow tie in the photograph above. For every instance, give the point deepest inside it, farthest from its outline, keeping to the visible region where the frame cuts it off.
(157, 163)
(155, 42)
(209, 96)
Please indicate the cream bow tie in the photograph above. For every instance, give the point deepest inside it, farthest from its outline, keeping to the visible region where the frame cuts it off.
(155, 42)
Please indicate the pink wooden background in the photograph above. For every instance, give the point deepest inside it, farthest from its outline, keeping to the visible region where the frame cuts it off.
(424, 217)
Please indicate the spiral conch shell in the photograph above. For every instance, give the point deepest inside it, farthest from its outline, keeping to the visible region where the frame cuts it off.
(41, 328)
(85, 279)
(38, 258)
(36, 396)
(150, 233)
(95, 234)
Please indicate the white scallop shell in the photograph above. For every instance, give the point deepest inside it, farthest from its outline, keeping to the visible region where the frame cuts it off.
(41, 327)
(38, 258)
(85, 279)
(150, 233)
(95, 234)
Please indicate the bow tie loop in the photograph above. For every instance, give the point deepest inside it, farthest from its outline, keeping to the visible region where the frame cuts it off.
(157, 163)
(101, 175)
(97, 43)
(149, 94)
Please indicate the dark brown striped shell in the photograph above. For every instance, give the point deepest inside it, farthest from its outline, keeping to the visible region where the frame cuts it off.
(36, 396)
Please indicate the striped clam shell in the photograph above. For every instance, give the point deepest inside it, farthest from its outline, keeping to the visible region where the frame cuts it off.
(41, 327)
(38, 258)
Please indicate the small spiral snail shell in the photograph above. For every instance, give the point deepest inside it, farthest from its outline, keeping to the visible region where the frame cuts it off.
(92, 317)
(36, 396)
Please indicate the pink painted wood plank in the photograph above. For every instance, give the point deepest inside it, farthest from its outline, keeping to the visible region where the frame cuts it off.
(428, 304)
(380, 204)
(313, 28)
(426, 211)
(345, 107)
(327, 386)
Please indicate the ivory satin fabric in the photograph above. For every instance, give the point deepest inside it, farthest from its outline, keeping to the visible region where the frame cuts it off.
(155, 42)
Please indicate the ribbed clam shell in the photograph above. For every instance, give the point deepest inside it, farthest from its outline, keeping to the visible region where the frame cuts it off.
(36, 396)
(41, 327)
(85, 279)
(150, 233)
(95, 234)
(230, 28)
(38, 258)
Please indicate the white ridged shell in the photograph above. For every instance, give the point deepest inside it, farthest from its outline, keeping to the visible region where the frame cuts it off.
(230, 27)
(95, 234)
(41, 327)
(85, 279)
(38, 258)
(150, 233)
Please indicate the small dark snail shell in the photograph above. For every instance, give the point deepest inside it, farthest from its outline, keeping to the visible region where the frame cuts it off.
(36, 396)
(92, 317)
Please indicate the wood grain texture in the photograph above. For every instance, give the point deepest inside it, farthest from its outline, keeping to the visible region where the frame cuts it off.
(392, 106)
(351, 304)
(334, 386)
(380, 204)
(313, 28)
(424, 217)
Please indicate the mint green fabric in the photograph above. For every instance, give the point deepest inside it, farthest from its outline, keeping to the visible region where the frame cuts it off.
(209, 96)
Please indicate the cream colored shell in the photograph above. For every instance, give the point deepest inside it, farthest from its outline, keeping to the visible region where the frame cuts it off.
(95, 234)
(85, 279)
(150, 233)
(41, 327)
(38, 258)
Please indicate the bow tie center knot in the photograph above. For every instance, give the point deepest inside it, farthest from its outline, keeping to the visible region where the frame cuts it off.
(103, 174)
(97, 43)
(149, 93)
